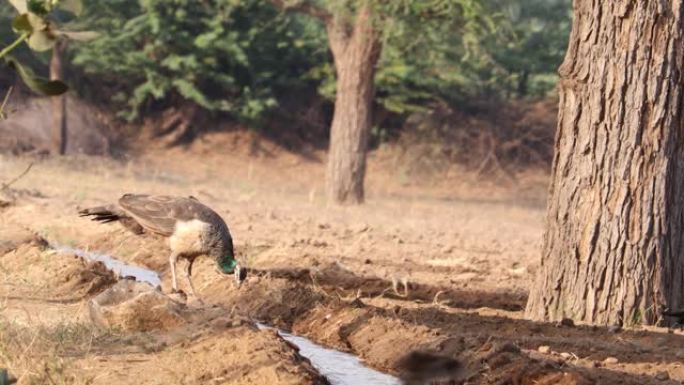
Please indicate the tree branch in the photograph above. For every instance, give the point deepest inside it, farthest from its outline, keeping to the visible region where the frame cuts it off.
(304, 7)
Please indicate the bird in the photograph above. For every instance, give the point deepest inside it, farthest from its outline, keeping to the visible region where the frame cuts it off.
(192, 229)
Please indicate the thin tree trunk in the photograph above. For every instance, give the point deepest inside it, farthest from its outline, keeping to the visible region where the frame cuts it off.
(613, 250)
(59, 118)
(523, 83)
(355, 50)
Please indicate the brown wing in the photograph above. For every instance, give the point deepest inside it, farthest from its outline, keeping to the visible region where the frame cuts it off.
(158, 213)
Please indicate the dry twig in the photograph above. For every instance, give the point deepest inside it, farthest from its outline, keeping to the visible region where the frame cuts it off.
(5, 186)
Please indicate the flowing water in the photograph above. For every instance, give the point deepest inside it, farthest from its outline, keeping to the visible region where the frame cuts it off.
(122, 269)
(338, 367)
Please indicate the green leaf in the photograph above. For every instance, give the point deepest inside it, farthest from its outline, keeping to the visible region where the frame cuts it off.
(38, 23)
(41, 40)
(37, 84)
(21, 24)
(73, 6)
(19, 5)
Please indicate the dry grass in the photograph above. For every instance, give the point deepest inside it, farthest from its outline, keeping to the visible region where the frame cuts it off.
(43, 354)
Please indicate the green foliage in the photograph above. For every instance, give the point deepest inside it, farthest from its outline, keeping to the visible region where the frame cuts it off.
(221, 55)
(243, 57)
(524, 61)
(453, 51)
(423, 56)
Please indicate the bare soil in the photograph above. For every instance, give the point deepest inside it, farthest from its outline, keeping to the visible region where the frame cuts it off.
(435, 267)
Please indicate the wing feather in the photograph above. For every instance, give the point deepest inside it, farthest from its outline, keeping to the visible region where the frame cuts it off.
(156, 213)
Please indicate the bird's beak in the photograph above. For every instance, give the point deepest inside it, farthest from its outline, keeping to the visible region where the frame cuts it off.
(240, 275)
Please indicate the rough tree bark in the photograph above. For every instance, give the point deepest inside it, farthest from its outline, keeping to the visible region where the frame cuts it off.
(355, 45)
(613, 249)
(59, 119)
(355, 49)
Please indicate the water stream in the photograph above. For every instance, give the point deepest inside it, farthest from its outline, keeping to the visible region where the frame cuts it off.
(339, 368)
(120, 268)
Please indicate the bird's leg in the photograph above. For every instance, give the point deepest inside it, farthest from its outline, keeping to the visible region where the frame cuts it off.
(188, 275)
(172, 261)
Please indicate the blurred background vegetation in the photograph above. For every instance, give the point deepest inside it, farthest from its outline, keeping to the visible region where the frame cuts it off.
(265, 68)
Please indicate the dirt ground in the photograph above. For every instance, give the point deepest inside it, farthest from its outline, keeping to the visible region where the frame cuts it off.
(442, 267)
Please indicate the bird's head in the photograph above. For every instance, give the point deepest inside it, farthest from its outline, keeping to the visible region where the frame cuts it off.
(229, 265)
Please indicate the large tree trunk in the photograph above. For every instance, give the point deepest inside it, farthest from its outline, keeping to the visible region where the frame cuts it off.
(613, 251)
(355, 50)
(59, 118)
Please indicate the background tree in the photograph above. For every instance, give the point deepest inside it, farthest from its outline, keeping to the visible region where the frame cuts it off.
(356, 30)
(59, 108)
(613, 245)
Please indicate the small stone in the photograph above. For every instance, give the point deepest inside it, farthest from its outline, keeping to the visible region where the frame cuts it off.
(611, 361)
(367, 261)
(566, 355)
(566, 322)
(662, 376)
(544, 349)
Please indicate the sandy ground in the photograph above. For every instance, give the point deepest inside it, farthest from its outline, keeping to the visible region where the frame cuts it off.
(336, 275)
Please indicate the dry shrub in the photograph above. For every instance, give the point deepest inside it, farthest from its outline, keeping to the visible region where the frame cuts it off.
(505, 139)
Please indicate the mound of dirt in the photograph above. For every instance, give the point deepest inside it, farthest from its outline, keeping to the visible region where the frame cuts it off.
(91, 279)
(132, 306)
(235, 355)
(492, 349)
(277, 302)
(11, 237)
(26, 255)
(344, 282)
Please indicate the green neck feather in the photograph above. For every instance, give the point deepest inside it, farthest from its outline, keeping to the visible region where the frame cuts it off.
(227, 264)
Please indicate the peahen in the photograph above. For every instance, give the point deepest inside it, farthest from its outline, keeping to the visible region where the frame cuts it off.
(192, 229)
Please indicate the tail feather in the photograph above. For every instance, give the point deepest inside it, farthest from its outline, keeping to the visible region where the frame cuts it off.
(102, 214)
(106, 219)
(106, 214)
